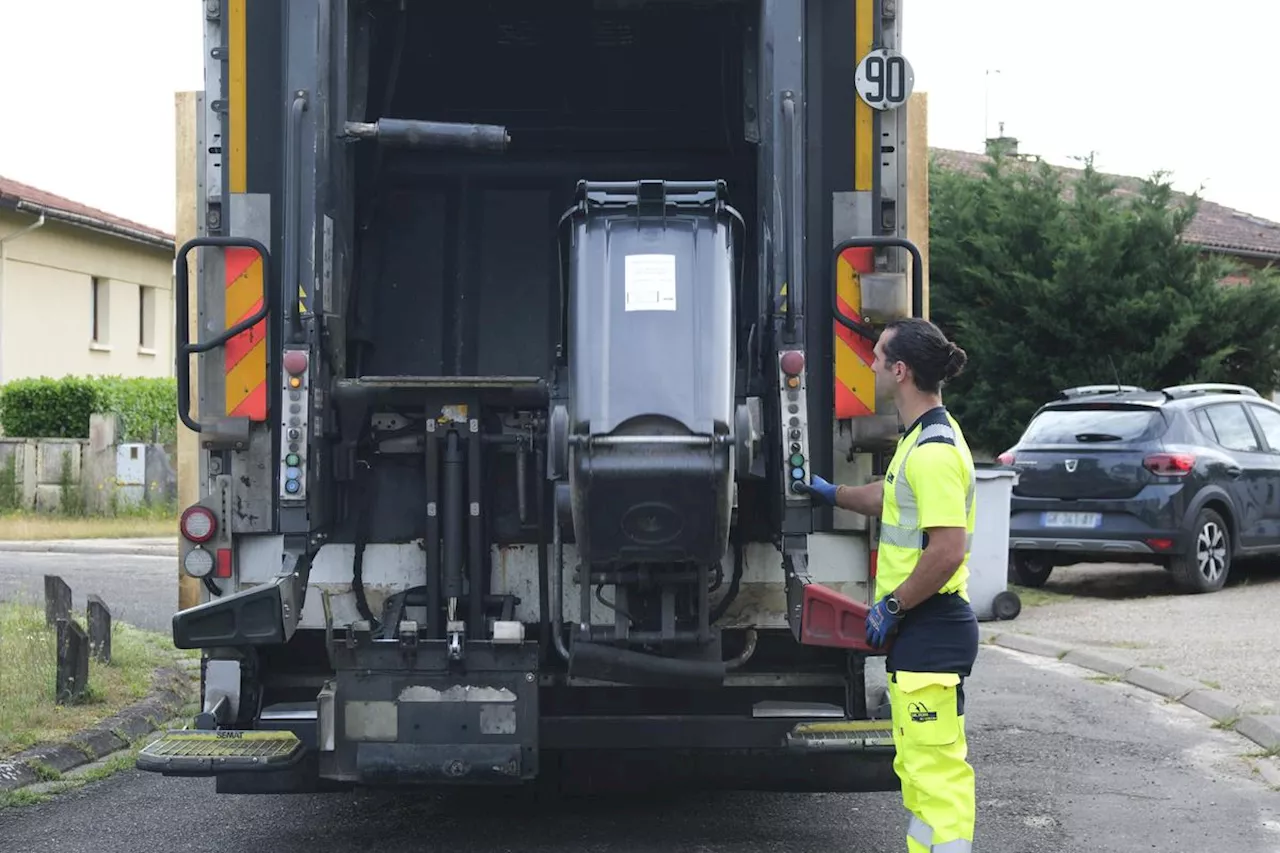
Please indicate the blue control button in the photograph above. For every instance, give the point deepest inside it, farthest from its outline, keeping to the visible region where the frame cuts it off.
(292, 473)
(797, 473)
(292, 487)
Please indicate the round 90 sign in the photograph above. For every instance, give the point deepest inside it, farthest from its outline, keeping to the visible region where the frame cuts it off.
(884, 79)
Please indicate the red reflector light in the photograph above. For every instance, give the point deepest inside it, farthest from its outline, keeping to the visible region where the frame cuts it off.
(295, 362)
(1169, 464)
(792, 362)
(198, 524)
(1160, 544)
(223, 569)
(1006, 458)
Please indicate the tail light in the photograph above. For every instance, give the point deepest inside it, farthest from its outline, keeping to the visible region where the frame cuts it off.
(1006, 458)
(1169, 464)
(198, 524)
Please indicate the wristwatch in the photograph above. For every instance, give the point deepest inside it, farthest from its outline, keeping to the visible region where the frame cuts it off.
(893, 605)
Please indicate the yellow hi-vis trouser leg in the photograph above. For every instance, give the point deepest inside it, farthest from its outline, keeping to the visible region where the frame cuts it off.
(931, 762)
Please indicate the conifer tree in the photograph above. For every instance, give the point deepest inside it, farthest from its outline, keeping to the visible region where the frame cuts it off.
(1050, 282)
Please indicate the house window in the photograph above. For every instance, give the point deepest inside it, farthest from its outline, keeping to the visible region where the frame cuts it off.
(147, 318)
(99, 288)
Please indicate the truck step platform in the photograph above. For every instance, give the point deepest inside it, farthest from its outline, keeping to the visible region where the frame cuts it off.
(842, 736)
(188, 752)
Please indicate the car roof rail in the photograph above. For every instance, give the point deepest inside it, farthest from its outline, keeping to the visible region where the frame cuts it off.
(1091, 390)
(1176, 392)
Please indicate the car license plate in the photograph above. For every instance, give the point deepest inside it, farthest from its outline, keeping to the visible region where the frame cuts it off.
(1071, 519)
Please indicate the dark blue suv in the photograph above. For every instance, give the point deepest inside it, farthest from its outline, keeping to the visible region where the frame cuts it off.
(1187, 477)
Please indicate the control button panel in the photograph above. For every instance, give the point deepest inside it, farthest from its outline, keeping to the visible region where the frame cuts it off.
(295, 408)
(795, 428)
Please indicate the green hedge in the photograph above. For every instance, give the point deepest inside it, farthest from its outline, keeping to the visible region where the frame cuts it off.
(60, 408)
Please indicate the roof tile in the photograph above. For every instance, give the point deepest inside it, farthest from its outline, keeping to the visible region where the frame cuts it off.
(13, 192)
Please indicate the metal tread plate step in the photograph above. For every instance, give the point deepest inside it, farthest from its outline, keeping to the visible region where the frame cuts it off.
(190, 752)
(842, 735)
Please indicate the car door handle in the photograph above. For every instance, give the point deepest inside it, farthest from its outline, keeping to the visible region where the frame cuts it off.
(1234, 471)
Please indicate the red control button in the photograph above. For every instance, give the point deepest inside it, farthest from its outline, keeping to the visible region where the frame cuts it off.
(295, 362)
(792, 362)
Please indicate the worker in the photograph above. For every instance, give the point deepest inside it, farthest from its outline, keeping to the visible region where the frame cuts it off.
(922, 610)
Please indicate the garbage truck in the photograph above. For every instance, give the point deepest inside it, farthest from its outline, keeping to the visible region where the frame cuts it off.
(509, 336)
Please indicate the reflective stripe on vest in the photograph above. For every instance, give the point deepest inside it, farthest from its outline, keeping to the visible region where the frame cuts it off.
(907, 533)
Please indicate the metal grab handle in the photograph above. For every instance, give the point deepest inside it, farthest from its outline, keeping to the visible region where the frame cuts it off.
(185, 348)
(293, 219)
(917, 279)
(789, 200)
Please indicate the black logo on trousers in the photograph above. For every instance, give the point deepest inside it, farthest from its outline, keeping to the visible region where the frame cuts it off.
(920, 713)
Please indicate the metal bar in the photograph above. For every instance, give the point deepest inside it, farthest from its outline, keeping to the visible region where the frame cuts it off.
(789, 185)
(618, 440)
(292, 215)
(430, 135)
(452, 508)
(432, 543)
(917, 277)
(184, 348)
(476, 551)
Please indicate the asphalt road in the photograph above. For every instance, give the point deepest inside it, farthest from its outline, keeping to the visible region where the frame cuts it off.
(142, 591)
(1064, 764)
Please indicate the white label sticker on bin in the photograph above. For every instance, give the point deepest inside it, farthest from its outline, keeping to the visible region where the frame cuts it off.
(651, 283)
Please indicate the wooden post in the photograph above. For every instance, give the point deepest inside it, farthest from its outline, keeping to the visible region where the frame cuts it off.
(57, 600)
(918, 181)
(99, 618)
(188, 467)
(72, 671)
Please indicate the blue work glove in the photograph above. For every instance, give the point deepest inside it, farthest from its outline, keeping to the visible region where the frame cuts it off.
(880, 624)
(820, 488)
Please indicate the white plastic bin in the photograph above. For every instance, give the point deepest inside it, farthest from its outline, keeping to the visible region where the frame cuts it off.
(989, 554)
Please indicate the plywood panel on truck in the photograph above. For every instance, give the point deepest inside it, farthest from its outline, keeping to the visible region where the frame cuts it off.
(186, 160)
(918, 181)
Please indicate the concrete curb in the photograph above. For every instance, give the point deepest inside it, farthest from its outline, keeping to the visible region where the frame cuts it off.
(171, 688)
(91, 546)
(1225, 710)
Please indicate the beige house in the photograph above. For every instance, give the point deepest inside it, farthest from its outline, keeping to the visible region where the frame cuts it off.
(82, 292)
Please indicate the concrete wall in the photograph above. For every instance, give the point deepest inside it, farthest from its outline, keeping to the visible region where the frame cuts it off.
(98, 475)
(48, 281)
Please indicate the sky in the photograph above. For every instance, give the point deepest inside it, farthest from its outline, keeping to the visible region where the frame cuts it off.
(87, 90)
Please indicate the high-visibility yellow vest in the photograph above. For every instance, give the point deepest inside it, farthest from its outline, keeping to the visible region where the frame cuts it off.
(930, 483)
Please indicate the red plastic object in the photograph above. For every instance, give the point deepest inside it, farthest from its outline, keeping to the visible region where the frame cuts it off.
(828, 618)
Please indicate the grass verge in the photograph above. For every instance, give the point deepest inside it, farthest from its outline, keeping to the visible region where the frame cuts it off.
(1032, 597)
(28, 714)
(34, 526)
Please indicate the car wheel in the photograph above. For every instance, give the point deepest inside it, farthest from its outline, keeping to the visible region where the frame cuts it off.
(1205, 566)
(1006, 605)
(1028, 571)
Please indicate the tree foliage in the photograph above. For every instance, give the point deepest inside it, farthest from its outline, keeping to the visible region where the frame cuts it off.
(1049, 283)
